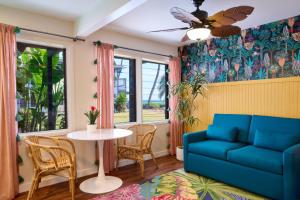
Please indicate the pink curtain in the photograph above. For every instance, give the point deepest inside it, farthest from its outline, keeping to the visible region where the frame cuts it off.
(105, 92)
(176, 128)
(8, 147)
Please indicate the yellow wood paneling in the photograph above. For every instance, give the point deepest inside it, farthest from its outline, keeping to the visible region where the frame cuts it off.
(271, 97)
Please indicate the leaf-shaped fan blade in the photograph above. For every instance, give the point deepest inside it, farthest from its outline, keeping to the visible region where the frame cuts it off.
(225, 31)
(231, 16)
(183, 15)
(239, 13)
(170, 30)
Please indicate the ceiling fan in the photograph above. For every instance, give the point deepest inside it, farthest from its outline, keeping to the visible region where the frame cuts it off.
(201, 26)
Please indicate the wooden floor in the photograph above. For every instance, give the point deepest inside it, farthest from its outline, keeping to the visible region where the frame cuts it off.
(129, 174)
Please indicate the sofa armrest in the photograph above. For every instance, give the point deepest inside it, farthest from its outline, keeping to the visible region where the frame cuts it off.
(192, 137)
(291, 172)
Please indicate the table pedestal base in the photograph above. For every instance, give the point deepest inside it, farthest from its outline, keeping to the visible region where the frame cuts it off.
(99, 186)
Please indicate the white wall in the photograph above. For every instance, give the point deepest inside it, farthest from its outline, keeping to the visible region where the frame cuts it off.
(80, 74)
(25, 19)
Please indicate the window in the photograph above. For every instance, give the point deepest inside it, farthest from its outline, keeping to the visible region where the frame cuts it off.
(41, 88)
(154, 91)
(124, 90)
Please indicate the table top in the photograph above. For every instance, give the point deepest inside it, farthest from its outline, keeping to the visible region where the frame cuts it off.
(100, 134)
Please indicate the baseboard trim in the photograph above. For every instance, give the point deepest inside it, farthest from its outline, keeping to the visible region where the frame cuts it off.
(51, 180)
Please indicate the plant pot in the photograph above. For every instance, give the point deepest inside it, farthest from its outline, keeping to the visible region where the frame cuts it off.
(179, 153)
(90, 128)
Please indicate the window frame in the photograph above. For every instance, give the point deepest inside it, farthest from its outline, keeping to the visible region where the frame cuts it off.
(22, 44)
(132, 90)
(166, 89)
(138, 90)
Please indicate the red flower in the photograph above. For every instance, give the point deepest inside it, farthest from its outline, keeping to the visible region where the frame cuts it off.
(93, 108)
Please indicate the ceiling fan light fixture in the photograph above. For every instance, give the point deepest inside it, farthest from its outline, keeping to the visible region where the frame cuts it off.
(198, 33)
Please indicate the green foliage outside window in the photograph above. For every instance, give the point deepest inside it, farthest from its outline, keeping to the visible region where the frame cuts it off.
(120, 102)
(33, 92)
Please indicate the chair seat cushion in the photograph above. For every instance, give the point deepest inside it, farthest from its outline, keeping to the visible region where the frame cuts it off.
(213, 148)
(259, 158)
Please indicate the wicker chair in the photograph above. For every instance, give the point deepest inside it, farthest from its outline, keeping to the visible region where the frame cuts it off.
(144, 134)
(51, 156)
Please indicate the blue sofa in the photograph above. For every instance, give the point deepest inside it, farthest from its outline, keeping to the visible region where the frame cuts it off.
(260, 154)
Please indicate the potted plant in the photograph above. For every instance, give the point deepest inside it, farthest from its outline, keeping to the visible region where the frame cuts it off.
(187, 91)
(92, 115)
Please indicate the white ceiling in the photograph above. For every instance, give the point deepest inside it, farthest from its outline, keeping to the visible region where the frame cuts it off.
(88, 15)
(137, 17)
(64, 9)
(154, 15)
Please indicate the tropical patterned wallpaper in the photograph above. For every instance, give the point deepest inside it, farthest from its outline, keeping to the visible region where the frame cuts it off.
(268, 51)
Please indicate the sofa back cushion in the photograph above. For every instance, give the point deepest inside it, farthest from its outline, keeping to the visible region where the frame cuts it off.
(273, 124)
(222, 133)
(278, 141)
(240, 122)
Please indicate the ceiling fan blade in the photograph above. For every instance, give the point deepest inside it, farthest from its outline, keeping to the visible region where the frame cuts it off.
(225, 31)
(240, 12)
(219, 19)
(185, 38)
(183, 15)
(170, 30)
(230, 16)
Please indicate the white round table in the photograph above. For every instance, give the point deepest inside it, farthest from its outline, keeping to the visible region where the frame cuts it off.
(101, 183)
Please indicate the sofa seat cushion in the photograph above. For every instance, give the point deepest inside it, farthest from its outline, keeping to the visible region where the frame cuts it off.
(213, 148)
(259, 158)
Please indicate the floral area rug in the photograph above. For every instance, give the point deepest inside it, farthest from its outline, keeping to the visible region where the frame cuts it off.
(179, 185)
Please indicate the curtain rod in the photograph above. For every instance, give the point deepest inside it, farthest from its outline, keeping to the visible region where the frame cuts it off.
(136, 50)
(18, 29)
